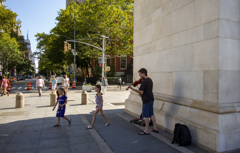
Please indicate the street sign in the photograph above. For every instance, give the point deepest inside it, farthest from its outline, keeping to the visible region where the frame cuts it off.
(107, 68)
(100, 60)
(108, 56)
(74, 53)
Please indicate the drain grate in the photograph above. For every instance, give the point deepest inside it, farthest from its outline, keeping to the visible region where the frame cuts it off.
(117, 104)
(27, 105)
(12, 113)
(71, 100)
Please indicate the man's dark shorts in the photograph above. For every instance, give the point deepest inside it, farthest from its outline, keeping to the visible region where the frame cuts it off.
(147, 109)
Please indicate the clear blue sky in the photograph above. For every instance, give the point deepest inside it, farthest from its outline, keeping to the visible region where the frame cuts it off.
(37, 16)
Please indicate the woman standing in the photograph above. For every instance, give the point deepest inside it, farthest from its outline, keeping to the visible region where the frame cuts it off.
(66, 83)
(4, 85)
(40, 84)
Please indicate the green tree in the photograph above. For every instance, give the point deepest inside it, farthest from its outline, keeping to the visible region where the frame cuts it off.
(12, 46)
(8, 20)
(112, 18)
(9, 51)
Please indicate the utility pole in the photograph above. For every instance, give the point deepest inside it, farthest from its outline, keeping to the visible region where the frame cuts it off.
(103, 50)
(74, 48)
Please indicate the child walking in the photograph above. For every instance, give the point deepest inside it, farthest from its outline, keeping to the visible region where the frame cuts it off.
(62, 100)
(99, 102)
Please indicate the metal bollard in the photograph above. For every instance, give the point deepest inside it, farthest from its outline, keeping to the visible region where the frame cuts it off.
(19, 100)
(84, 98)
(53, 98)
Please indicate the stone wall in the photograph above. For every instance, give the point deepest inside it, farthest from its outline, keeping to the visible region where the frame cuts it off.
(192, 53)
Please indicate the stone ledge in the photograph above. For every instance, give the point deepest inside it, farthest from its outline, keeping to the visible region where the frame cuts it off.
(217, 108)
(177, 117)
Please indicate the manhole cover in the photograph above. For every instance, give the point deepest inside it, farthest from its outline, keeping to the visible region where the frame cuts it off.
(12, 113)
(116, 104)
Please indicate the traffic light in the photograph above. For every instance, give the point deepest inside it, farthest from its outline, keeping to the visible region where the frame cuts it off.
(65, 46)
(69, 47)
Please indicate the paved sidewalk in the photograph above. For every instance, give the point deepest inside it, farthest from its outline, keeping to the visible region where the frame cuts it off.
(30, 129)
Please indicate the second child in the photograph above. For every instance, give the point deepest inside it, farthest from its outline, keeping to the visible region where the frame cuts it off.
(62, 100)
(54, 84)
(99, 102)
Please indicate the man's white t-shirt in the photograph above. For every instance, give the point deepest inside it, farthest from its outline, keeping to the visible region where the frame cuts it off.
(65, 82)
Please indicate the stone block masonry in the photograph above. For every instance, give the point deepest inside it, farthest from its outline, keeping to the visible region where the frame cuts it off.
(191, 50)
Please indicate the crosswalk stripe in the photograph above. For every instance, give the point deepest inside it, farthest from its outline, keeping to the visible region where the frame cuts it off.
(24, 87)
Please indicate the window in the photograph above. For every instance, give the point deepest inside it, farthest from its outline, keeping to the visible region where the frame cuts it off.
(123, 62)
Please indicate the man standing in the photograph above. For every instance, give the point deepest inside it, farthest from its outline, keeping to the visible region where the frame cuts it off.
(119, 82)
(145, 91)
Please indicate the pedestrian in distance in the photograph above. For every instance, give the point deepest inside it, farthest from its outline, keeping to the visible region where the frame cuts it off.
(98, 82)
(85, 81)
(4, 86)
(119, 82)
(66, 83)
(61, 101)
(99, 102)
(54, 84)
(104, 85)
(51, 79)
(39, 85)
(8, 83)
(145, 91)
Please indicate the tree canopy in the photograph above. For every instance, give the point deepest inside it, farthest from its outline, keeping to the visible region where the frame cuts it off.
(112, 18)
(12, 46)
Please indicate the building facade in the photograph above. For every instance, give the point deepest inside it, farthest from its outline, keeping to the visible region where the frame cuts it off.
(191, 50)
(29, 50)
(29, 54)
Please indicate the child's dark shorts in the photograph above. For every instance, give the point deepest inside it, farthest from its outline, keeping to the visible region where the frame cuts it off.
(147, 109)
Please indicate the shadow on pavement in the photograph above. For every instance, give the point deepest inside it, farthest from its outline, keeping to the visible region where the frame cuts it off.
(39, 135)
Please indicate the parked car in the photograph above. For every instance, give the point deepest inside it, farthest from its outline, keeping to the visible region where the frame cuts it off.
(29, 77)
(12, 79)
(18, 78)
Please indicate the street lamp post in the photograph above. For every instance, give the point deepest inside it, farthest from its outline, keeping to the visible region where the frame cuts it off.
(74, 52)
(103, 50)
